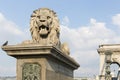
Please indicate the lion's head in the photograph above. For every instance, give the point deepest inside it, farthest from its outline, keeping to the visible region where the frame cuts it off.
(44, 26)
(45, 30)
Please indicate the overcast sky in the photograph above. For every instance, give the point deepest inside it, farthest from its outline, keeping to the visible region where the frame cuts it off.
(85, 24)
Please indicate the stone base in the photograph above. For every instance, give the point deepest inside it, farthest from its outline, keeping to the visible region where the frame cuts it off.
(36, 62)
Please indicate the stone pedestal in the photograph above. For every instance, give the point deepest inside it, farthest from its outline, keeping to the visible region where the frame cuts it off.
(36, 62)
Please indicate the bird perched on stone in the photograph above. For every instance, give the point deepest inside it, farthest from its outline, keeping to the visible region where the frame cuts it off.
(5, 43)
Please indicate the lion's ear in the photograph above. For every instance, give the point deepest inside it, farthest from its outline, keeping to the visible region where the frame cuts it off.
(34, 14)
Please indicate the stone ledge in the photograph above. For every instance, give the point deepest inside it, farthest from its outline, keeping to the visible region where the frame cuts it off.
(111, 47)
(38, 50)
(102, 50)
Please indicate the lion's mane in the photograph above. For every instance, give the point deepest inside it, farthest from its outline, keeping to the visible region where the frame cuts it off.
(45, 30)
(54, 30)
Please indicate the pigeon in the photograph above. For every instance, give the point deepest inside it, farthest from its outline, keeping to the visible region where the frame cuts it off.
(5, 43)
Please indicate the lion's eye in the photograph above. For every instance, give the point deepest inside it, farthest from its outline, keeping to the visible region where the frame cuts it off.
(48, 17)
(38, 16)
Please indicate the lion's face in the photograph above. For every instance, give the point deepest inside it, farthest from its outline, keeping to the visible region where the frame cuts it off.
(43, 22)
(44, 26)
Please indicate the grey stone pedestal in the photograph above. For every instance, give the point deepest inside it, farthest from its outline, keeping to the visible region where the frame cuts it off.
(36, 62)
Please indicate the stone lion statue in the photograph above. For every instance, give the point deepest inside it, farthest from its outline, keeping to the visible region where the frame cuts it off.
(44, 27)
(45, 30)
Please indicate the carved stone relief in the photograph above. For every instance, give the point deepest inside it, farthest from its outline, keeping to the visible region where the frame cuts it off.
(31, 71)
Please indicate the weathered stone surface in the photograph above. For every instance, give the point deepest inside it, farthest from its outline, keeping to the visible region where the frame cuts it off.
(49, 60)
(31, 71)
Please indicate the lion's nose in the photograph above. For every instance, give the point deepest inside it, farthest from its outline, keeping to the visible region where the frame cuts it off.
(42, 20)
